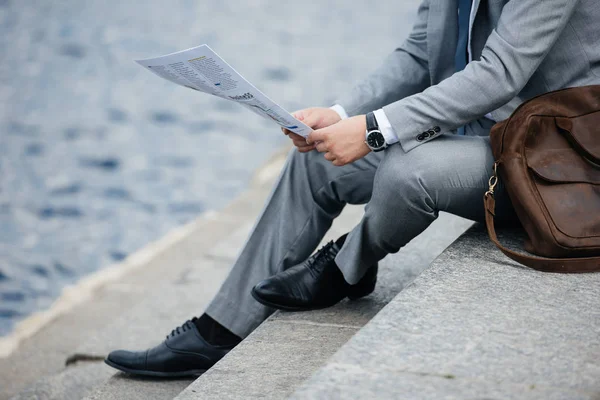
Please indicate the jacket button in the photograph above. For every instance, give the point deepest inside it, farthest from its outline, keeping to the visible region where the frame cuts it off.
(437, 129)
(431, 132)
(420, 138)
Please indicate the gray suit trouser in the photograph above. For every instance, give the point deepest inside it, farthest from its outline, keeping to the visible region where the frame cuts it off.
(404, 193)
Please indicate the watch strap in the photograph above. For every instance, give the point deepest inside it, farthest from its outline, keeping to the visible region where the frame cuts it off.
(372, 122)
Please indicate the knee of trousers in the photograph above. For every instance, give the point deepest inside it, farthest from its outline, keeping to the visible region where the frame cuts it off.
(405, 179)
(403, 193)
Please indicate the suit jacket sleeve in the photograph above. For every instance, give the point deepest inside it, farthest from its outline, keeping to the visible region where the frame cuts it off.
(403, 73)
(526, 31)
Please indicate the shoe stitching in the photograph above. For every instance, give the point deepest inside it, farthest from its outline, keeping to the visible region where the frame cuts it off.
(188, 353)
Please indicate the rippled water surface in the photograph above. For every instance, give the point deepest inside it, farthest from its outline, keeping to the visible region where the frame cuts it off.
(98, 157)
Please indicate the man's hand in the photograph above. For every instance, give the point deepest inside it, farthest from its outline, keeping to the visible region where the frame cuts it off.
(316, 118)
(344, 142)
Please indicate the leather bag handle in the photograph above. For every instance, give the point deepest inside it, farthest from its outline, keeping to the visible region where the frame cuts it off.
(564, 265)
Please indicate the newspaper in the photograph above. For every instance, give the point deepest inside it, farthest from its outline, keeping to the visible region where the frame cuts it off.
(200, 68)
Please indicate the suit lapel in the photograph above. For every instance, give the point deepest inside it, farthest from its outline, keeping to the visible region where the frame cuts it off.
(442, 35)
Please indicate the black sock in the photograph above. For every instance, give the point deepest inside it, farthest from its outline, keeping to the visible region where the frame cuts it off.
(215, 333)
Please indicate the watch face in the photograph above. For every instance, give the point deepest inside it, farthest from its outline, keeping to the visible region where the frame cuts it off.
(375, 139)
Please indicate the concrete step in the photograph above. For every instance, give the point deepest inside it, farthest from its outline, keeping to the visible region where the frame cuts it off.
(185, 296)
(474, 325)
(289, 347)
(73, 383)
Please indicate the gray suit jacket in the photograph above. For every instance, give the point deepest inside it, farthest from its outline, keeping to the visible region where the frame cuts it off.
(520, 48)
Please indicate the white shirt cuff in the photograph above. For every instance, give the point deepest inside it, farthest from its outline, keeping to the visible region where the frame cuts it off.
(385, 127)
(340, 110)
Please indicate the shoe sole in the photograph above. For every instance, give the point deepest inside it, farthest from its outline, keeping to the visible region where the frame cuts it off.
(156, 374)
(354, 296)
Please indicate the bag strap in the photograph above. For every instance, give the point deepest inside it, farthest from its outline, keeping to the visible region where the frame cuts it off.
(566, 265)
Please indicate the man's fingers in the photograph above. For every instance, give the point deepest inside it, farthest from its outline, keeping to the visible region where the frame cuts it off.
(317, 136)
(329, 157)
(299, 115)
(321, 147)
(306, 149)
(298, 140)
(295, 137)
(312, 119)
(300, 143)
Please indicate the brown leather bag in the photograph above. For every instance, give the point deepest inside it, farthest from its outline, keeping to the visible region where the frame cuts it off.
(548, 158)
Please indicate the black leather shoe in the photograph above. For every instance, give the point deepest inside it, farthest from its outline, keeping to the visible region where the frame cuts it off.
(183, 353)
(314, 284)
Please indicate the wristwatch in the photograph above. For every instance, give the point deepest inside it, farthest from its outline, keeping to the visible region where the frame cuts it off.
(374, 137)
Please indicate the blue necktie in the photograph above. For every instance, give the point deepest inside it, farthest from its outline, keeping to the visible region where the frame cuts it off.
(460, 59)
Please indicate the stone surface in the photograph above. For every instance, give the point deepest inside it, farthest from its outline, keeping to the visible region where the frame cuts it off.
(474, 325)
(271, 362)
(125, 387)
(73, 383)
(182, 297)
(289, 347)
(346, 382)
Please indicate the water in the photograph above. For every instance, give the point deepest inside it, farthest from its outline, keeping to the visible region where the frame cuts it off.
(98, 157)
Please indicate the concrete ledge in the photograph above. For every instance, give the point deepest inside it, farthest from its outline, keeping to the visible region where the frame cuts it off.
(72, 383)
(289, 347)
(475, 325)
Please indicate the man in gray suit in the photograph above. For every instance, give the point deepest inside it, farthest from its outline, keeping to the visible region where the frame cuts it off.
(409, 141)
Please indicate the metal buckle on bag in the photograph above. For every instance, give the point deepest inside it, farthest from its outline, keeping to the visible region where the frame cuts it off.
(493, 182)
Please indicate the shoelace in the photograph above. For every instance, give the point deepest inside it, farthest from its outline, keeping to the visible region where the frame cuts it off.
(320, 258)
(187, 325)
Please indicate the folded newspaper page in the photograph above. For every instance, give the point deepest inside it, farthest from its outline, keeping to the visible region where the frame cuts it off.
(200, 68)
